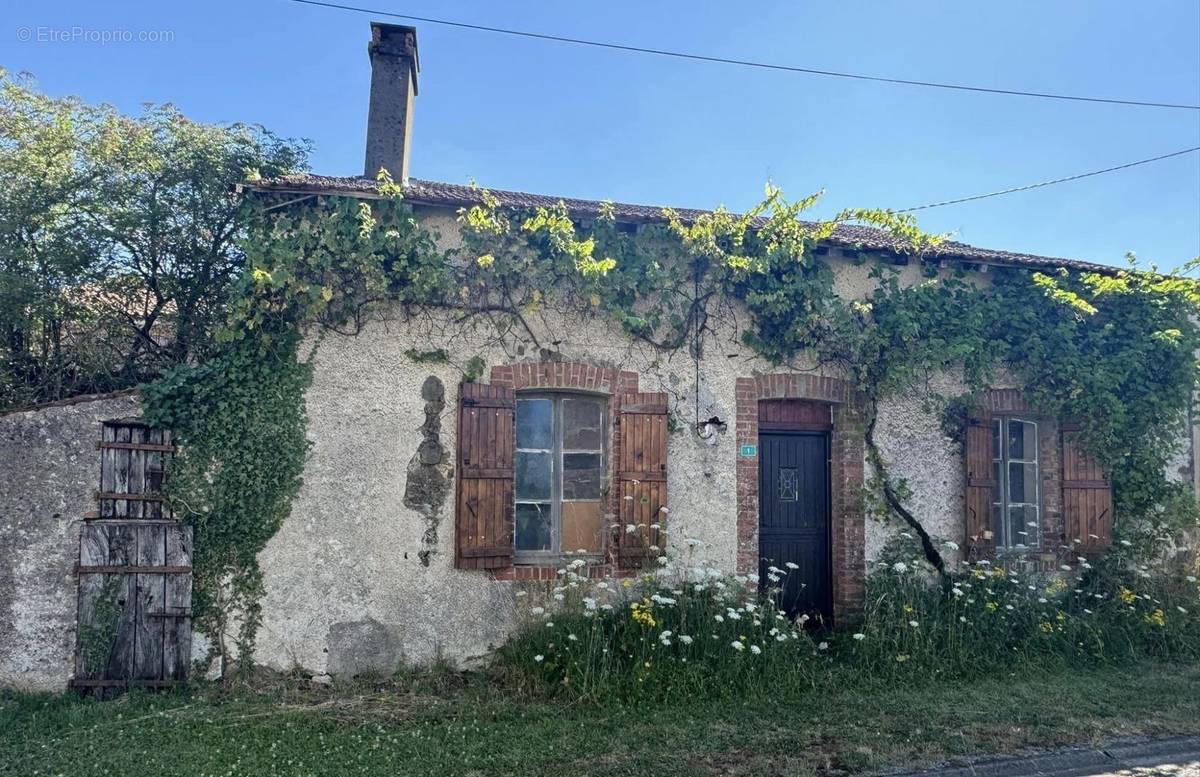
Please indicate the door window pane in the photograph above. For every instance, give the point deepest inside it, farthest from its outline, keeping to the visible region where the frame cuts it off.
(533, 475)
(1022, 440)
(582, 527)
(1022, 483)
(581, 424)
(534, 420)
(1019, 530)
(583, 476)
(533, 526)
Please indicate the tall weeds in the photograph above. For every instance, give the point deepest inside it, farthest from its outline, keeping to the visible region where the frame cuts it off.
(687, 630)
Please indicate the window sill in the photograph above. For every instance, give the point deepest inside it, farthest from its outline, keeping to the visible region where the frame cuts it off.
(544, 571)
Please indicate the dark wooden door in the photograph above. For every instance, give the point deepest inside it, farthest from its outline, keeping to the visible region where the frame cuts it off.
(794, 519)
(135, 604)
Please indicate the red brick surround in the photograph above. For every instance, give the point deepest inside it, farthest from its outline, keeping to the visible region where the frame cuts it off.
(579, 377)
(846, 473)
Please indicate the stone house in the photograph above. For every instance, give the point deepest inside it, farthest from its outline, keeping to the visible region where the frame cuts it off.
(428, 501)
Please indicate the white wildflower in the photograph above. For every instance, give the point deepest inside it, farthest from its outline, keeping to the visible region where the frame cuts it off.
(914, 624)
(755, 649)
(737, 645)
(538, 610)
(900, 567)
(539, 658)
(791, 565)
(860, 636)
(685, 639)
(823, 646)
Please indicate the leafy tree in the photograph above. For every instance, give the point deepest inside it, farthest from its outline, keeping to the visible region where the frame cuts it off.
(119, 238)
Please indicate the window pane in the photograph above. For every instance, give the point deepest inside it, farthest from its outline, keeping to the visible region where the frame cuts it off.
(581, 425)
(533, 526)
(582, 476)
(582, 527)
(997, 528)
(1022, 483)
(533, 423)
(1020, 532)
(996, 438)
(1022, 440)
(996, 484)
(533, 475)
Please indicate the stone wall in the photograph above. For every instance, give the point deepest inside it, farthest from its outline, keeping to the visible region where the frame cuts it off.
(49, 472)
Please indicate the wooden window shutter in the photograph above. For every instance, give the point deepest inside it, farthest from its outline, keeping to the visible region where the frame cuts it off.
(641, 469)
(133, 465)
(484, 506)
(1087, 498)
(978, 454)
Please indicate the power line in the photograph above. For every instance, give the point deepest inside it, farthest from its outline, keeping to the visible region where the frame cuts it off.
(743, 62)
(1050, 183)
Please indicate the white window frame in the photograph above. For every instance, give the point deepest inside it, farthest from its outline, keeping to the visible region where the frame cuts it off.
(1000, 491)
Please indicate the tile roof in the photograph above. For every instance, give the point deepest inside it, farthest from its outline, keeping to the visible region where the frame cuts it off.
(457, 195)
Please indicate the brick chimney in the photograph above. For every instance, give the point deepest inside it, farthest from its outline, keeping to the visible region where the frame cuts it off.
(394, 68)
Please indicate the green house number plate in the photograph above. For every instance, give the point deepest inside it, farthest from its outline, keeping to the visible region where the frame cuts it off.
(749, 451)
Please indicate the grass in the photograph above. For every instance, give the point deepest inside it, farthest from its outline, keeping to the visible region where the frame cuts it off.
(463, 725)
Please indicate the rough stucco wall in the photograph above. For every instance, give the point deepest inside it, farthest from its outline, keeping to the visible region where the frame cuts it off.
(49, 470)
(349, 559)
(355, 580)
(917, 451)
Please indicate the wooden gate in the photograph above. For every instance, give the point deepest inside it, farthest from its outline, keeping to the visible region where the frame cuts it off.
(135, 604)
(135, 571)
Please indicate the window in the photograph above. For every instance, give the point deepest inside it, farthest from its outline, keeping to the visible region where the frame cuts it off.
(560, 466)
(1015, 512)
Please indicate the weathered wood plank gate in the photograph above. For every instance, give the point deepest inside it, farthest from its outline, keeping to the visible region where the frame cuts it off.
(135, 570)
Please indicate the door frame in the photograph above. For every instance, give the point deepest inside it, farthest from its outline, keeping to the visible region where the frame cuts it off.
(846, 406)
(826, 435)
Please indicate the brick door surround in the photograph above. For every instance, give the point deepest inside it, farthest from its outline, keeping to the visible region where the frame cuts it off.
(847, 533)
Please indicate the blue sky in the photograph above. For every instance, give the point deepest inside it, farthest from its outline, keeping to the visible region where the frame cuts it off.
(557, 119)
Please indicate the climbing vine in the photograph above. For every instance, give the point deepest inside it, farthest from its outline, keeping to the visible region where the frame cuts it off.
(1114, 351)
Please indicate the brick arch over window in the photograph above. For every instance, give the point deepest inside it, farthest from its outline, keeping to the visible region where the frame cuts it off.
(570, 376)
(565, 375)
(846, 475)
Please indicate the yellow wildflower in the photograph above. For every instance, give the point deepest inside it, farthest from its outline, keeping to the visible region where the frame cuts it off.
(640, 612)
(1157, 618)
(1126, 596)
(991, 606)
(1046, 627)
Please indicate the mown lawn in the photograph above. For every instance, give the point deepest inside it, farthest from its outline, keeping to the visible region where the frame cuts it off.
(449, 725)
